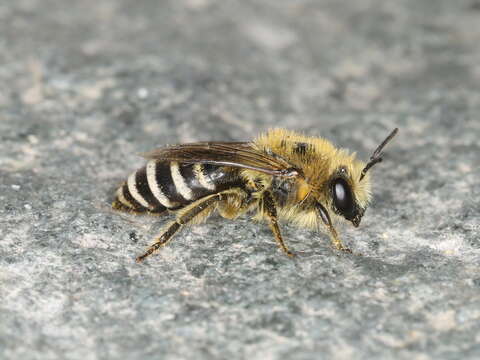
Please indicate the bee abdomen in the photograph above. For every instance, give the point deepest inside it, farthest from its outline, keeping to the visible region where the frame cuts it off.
(136, 194)
(161, 185)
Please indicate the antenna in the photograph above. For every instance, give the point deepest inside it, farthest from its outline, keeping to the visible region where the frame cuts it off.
(377, 154)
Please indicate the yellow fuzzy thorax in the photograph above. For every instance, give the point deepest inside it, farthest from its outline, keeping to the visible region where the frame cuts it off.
(319, 160)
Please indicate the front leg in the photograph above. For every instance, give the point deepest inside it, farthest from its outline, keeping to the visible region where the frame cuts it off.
(336, 242)
(270, 211)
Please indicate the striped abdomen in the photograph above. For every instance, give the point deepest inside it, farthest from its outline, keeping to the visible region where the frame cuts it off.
(161, 185)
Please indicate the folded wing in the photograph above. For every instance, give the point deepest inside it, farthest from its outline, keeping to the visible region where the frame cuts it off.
(235, 154)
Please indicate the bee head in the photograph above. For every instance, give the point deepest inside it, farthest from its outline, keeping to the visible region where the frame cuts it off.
(350, 187)
(344, 199)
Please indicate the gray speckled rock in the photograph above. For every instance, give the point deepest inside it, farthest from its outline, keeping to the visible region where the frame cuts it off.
(86, 85)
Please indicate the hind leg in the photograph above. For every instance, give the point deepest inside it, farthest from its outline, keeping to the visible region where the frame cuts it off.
(194, 213)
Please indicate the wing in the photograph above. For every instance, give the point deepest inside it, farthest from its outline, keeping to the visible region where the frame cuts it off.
(235, 154)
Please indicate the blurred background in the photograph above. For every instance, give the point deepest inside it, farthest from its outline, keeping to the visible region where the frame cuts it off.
(87, 85)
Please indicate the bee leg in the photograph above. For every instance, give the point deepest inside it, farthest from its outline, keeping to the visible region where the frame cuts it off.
(336, 242)
(181, 221)
(162, 240)
(271, 212)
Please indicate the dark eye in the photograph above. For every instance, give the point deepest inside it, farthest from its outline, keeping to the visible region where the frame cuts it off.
(342, 197)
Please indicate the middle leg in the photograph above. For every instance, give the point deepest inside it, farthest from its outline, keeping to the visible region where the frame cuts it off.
(271, 213)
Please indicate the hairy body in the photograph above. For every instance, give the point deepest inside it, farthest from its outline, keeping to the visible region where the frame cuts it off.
(281, 175)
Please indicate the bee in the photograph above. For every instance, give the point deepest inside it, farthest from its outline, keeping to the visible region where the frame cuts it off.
(280, 175)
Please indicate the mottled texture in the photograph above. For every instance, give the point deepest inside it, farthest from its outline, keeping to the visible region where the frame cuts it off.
(86, 85)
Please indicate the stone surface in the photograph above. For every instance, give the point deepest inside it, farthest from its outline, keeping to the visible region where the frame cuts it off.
(87, 85)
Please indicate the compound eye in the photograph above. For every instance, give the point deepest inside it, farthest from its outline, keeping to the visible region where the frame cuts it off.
(342, 197)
